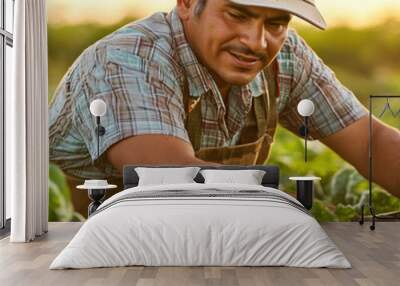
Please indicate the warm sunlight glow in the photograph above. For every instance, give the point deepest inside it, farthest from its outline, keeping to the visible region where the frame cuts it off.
(356, 13)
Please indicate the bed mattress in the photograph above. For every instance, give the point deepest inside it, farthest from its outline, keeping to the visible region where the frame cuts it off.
(201, 225)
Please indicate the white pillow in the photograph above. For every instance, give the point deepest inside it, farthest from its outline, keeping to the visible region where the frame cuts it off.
(248, 177)
(163, 176)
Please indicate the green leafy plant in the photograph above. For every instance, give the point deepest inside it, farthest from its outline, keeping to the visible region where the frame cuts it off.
(60, 205)
(342, 190)
(321, 211)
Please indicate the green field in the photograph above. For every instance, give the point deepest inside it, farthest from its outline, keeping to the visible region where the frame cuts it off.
(366, 60)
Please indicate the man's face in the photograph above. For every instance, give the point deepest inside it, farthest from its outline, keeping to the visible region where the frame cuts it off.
(234, 42)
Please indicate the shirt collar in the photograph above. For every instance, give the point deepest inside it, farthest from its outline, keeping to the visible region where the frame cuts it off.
(200, 80)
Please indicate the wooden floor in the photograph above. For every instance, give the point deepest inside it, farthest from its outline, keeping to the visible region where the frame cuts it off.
(375, 257)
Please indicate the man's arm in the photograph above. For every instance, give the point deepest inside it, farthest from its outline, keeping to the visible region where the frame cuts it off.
(351, 144)
(153, 149)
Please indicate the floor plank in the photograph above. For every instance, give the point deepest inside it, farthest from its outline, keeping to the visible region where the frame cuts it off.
(374, 255)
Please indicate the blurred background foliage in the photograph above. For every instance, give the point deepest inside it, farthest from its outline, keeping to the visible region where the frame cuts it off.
(60, 205)
(366, 60)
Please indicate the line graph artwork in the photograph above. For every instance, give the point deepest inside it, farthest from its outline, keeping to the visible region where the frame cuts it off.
(387, 109)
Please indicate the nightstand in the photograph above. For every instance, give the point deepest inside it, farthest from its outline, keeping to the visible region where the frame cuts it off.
(96, 191)
(305, 190)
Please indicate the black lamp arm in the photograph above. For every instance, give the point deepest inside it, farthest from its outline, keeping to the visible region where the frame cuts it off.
(305, 137)
(100, 131)
(303, 130)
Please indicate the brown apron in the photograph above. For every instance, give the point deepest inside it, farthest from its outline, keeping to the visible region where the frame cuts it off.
(257, 134)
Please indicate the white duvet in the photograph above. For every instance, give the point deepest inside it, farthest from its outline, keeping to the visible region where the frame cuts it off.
(202, 231)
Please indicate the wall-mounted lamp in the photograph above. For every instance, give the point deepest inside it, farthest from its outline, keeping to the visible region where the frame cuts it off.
(305, 108)
(98, 108)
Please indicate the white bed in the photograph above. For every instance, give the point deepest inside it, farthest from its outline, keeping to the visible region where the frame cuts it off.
(222, 225)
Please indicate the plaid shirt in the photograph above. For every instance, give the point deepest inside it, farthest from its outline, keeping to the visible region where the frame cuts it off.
(139, 71)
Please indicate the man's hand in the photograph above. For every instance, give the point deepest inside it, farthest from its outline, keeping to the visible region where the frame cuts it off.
(351, 144)
(153, 149)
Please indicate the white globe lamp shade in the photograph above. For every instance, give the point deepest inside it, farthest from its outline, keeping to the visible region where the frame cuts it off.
(305, 107)
(98, 107)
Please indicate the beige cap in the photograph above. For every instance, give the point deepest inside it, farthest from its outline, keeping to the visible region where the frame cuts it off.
(304, 9)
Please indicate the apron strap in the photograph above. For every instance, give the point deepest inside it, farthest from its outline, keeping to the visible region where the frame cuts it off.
(273, 94)
(272, 114)
(193, 116)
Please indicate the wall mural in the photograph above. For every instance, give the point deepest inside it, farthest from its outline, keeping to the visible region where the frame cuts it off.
(80, 72)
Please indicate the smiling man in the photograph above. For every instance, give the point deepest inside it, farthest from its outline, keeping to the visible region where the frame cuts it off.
(208, 82)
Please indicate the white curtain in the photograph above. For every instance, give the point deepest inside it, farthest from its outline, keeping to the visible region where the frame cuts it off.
(26, 124)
